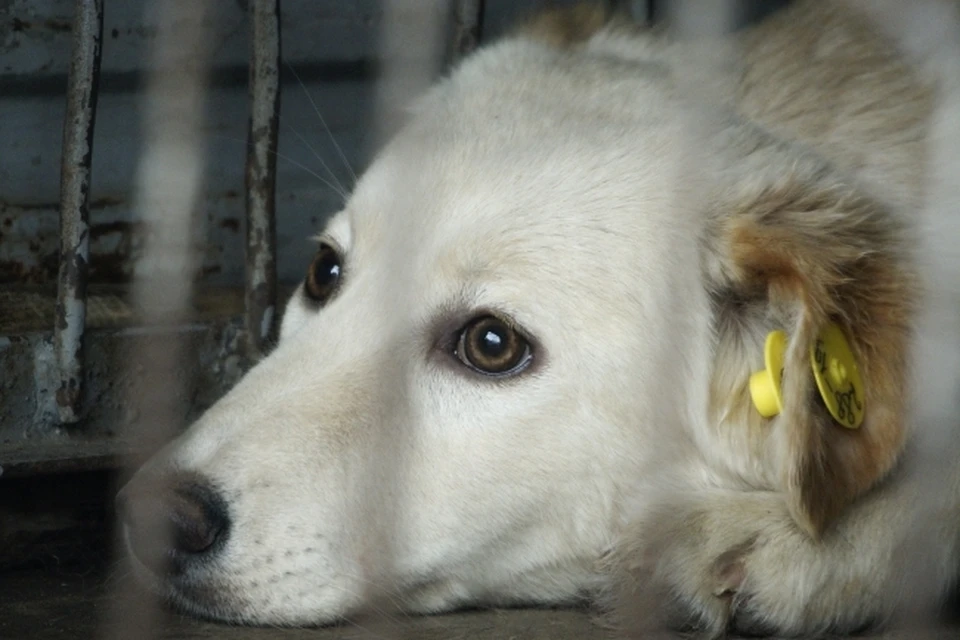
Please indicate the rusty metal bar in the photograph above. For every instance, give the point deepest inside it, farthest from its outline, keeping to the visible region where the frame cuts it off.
(467, 26)
(74, 205)
(261, 172)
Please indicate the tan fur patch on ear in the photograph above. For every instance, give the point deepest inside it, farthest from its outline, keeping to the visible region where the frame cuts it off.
(568, 26)
(839, 256)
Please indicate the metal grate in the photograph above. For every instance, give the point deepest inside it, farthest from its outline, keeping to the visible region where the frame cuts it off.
(56, 328)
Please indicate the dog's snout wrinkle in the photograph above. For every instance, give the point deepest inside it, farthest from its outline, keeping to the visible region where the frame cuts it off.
(172, 523)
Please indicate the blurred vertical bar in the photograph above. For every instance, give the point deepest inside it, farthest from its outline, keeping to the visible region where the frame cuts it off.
(413, 40)
(467, 26)
(74, 205)
(261, 174)
(169, 198)
(698, 19)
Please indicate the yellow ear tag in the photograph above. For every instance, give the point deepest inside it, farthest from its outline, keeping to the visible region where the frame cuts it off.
(765, 385)
(834, 369)
(838, 377)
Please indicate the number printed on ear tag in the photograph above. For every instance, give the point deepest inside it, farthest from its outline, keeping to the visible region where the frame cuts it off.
(838, 377)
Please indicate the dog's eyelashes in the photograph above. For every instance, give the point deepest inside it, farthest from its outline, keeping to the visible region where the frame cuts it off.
(490, 346)
(323, 276)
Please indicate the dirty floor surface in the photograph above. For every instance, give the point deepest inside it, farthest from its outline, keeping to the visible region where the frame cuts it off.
(61, 604)
(72, 604)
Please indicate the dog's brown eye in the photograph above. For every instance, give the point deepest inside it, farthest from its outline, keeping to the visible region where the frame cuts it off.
(323, 276)
(490, 346)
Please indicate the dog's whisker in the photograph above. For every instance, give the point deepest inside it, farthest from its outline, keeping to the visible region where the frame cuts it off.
(367, 630)
(118, 572)
(391, 593)
(380, 587)
(334, 187)
(376, 611)
(323, 121)
(333, 177)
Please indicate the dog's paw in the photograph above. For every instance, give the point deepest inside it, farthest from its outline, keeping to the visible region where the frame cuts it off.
(719, 562)
(673, 572)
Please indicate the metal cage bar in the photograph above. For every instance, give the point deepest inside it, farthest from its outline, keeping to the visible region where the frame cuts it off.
(261, 171)
(74, 205)
(467, 26)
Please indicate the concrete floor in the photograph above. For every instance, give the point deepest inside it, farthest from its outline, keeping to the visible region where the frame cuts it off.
(62, 604)
(57, 604)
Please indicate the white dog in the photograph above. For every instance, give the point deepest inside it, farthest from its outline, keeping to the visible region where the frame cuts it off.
(518, 368)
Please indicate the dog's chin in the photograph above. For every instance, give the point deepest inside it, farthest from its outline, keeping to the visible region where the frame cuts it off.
(189, 594)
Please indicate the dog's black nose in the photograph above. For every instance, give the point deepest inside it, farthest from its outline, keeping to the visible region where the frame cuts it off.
(171, 523)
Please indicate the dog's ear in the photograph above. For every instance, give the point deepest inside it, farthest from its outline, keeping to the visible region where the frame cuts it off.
(796, 247)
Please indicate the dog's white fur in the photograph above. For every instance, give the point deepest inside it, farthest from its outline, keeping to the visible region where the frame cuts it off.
(565, 188)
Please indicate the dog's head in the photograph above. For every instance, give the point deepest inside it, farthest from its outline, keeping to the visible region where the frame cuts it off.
(500, 317)
(506, 337)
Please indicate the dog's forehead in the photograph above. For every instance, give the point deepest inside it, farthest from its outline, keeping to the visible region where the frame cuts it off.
(496, 164)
